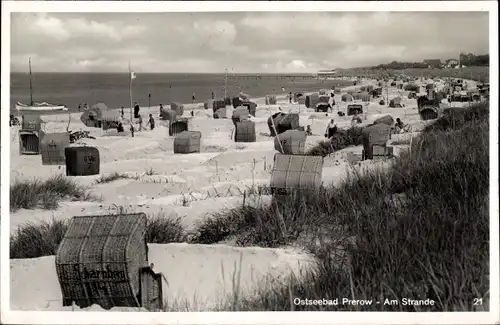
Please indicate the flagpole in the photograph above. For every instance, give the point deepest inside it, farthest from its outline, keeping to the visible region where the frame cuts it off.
(225, 86)
(130, 89)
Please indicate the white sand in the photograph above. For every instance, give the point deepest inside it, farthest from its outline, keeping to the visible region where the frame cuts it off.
(188, 186)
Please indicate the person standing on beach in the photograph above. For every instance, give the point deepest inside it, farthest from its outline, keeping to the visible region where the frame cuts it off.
(132, 129)
(290, 97)
(136, 110)
(194, 98)
(213, 95)
(331, 129)
(140, 122)
(332, 100)
(151, 122)
(122, 112)
(161, 111)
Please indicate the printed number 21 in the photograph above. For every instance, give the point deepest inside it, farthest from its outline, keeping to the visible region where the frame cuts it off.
(477, 301)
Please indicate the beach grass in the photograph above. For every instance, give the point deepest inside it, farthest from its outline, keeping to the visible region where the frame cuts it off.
(46, 194)
(111, 178)
(340, 140)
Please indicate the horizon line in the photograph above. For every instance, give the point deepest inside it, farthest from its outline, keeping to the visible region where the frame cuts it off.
(166, 72)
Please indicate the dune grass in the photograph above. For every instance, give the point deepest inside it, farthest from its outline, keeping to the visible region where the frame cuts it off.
(417, 230)
(111, 178)
(42, 239)
(340, 140)
(116, 176)
(31, 194)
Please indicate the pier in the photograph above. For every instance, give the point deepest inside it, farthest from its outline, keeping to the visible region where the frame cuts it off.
(270, 76)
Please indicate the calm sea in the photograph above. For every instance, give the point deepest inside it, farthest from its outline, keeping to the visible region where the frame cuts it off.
(72, 89)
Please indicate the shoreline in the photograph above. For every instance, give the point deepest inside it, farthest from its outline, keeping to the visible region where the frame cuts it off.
(197, 104)
(281, 96)
(164, 91)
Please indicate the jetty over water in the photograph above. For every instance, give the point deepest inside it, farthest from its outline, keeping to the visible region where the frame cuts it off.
(271, 76)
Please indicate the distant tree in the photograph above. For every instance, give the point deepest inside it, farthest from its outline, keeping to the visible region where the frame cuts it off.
(469, 59)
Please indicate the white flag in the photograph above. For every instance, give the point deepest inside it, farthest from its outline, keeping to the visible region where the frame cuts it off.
(132, 75)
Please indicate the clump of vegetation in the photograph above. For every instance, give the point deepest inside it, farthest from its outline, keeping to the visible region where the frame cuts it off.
(163, 229)
(457, 117)
(32, 194)
(36, 240)
(111, 178)
(340, 140)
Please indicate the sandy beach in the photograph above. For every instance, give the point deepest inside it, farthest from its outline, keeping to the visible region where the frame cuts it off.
(190, 186)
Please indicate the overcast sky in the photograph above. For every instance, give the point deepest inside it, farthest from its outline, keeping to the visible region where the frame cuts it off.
(241, 42)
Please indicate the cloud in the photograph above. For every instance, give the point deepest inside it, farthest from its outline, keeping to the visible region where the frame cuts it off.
(51, 27)
(81, 27)
(219, 35)
(296, 64)
(64, 29)
(240, 41)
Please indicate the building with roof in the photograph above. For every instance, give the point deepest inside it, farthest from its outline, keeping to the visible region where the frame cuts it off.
(433, 63)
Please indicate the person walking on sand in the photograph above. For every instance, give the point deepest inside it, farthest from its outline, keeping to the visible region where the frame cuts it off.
(151, 122)
(331, 101)
(161, 111)
(194, 98)
(132, 129)
(122, 112)
(290, 97)
(139, 122)
(331, 129)
(136, 110)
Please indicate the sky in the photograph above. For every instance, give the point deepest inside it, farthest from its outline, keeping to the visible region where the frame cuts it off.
(272, 42)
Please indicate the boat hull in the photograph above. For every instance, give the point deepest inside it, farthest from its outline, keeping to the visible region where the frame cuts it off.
(40, 108)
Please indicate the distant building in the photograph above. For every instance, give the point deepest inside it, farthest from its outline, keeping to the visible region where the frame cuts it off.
(451, 63)
(433, 63)
(328, 73)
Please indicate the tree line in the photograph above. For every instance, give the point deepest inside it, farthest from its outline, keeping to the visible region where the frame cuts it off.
(467, 59)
